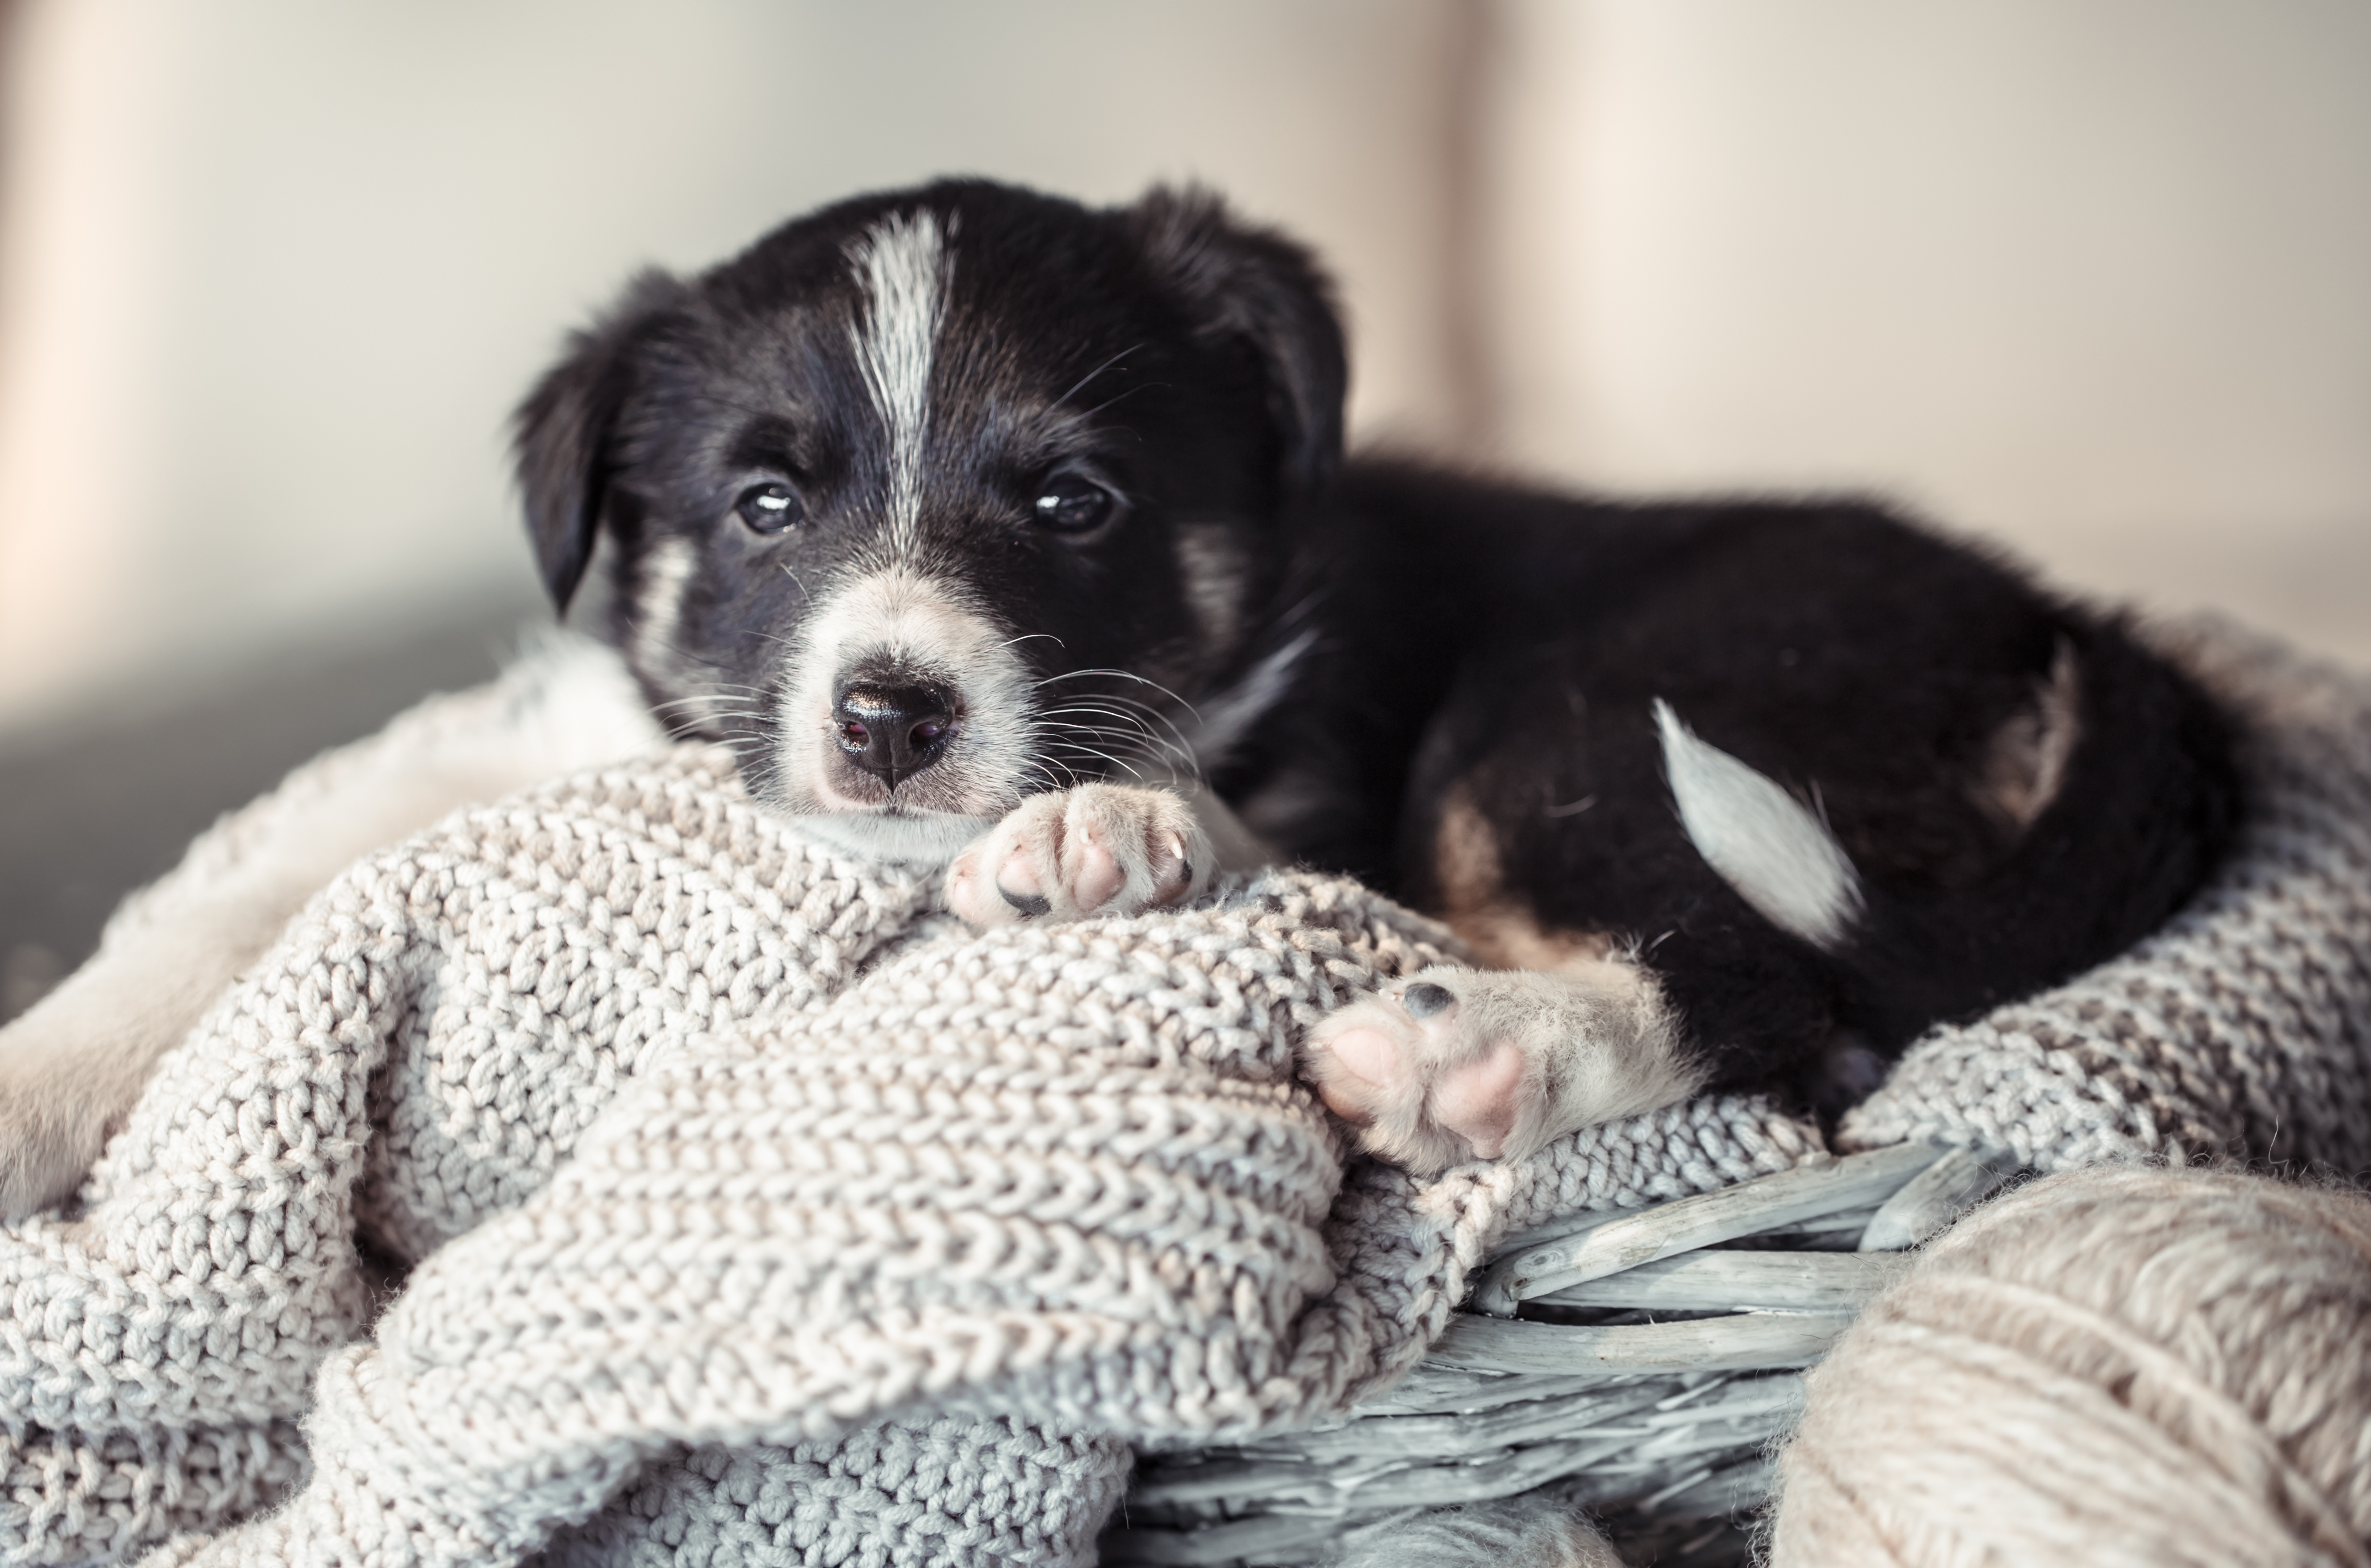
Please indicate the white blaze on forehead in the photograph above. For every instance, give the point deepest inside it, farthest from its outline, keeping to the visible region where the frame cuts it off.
(901, 262)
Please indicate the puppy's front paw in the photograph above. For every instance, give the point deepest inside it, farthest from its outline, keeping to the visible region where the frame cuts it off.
(1097, 850)
(1451, 1064)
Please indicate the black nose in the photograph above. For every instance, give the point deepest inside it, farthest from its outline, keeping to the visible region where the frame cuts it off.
(893, 732)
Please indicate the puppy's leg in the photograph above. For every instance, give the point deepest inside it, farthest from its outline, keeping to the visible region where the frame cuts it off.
(73, 1066)
(1096, 850)
(1451, 1064)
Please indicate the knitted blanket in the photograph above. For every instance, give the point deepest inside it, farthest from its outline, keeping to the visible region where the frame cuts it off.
(615, 1175)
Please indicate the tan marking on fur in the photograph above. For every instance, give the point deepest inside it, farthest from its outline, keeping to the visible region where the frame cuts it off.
(1558, 1032)
(1488, 918)
(2025, 766)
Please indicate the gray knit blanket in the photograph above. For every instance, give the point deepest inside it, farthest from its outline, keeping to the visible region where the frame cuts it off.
(613, 1175)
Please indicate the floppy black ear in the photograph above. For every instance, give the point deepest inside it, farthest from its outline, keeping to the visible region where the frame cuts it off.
(1256, 285)
(563, 435)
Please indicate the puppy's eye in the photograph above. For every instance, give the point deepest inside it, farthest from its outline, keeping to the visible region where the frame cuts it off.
(769, 508)
(1069, 504)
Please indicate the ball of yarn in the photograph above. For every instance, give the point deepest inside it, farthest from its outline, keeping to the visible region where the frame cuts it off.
(2117, 1366)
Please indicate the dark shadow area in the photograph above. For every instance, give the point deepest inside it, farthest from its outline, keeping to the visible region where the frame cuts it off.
(92, 810)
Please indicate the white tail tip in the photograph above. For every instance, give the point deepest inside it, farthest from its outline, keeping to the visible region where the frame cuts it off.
(1760, 839)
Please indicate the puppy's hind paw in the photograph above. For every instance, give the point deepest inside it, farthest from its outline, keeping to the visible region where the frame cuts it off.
(48, 1143)
(1452, 1064)
(1096, 850)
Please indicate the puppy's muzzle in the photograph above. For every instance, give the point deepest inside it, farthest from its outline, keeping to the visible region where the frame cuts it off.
(892, 732)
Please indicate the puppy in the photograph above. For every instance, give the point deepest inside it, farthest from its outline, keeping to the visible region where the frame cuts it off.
(971, 518)
(948, 508)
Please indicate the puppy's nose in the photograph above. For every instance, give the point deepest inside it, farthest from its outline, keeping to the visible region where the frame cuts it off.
(892, 732)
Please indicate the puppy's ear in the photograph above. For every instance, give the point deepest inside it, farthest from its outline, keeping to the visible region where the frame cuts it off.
(564, 435)
(1255, 285)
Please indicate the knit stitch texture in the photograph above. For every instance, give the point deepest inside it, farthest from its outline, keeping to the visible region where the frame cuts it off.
(759, 1216)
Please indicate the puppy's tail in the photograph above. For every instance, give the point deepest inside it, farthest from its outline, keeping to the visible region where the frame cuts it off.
(2111, 799)
(1761, 840)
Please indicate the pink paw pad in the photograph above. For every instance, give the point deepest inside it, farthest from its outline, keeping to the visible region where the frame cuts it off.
(1372, 1061)
(1096, 850)
(1017, 883)
(1409, 1070)
(1099, 874)
(1478, 1101)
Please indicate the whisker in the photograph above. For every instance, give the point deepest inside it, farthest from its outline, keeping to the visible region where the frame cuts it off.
(1140, 387)
(745, 715)
(1136, 713)
(1093, 373)
(1129, 768)
(1137, 734)
(1124, 675)
(688, 701)
(1122, 714)
(1173, 751)
(688, 657)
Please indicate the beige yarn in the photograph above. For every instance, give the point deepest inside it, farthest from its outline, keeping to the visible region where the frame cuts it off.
(2110, 1367)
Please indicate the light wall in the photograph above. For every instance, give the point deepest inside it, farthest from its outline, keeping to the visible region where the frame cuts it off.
(2085, 275)
(2089, 276)
(272, 272)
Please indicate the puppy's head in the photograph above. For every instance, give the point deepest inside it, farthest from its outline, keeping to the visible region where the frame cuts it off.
(932, 500)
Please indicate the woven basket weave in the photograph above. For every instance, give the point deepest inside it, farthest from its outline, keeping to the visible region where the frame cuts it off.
(1637, 1364)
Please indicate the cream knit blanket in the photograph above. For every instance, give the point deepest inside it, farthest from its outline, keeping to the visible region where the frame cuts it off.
(761, 1216)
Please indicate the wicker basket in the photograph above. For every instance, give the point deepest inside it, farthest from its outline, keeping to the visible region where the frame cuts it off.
(1638, 1364)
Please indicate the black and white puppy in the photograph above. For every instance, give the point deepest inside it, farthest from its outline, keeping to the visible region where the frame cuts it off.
(951, 508)
(968, 515)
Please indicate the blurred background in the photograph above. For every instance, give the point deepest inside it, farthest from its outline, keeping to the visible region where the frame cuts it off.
(2090, 278)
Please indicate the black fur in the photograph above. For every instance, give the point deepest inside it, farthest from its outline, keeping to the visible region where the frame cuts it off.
(568, 427)
(1516, 641)
(1439, 634)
